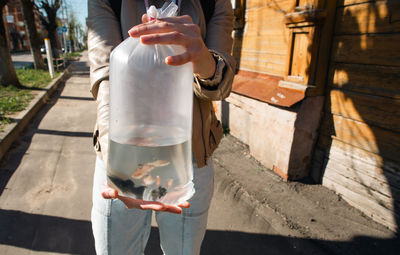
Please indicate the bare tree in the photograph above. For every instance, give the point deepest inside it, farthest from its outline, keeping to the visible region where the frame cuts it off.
(34, 38)
(7, 71)
(50, 20)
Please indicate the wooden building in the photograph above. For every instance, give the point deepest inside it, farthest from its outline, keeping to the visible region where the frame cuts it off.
(317, 94)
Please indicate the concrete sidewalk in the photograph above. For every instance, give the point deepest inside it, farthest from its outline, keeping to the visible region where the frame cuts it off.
(46, 179)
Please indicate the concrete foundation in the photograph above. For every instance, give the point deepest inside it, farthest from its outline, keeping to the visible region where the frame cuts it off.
(282, 139)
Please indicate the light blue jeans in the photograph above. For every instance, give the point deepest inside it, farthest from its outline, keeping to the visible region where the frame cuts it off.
(118, 230)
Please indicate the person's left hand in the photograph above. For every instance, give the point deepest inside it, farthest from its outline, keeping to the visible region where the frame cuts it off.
(180, 31)
(130, 203)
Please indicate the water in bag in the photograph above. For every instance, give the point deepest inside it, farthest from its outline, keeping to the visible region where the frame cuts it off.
(150, 154)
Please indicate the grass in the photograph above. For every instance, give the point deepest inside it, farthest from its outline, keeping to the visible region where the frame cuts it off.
(226, 131)
(34, 78)
(14, 99)
(74, 54)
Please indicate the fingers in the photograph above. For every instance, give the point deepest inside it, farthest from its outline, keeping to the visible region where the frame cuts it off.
(193, 47)
(109, 193)
(163, 26)
(154, 27)
(160, 207)
(184, 205)
(165, 38)
(178, 59)
(185, 19)
(145, 18)
(130, 203)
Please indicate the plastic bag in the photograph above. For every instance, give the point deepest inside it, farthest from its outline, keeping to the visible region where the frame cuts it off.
(150, 155)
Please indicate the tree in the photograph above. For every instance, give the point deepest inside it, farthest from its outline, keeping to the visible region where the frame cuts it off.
(72, 25)
(7, 71)
(49, 20)
(34, 38)
(76, 32)
(81, 35)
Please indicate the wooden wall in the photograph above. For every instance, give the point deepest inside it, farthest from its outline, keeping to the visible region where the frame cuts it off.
(358, 153)
(265, 37)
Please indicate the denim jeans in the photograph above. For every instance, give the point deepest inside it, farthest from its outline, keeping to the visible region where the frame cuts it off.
(118, 230)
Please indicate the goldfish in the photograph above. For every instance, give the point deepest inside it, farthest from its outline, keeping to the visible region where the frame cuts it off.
(159, 163)
(143, 169)
(148, 180)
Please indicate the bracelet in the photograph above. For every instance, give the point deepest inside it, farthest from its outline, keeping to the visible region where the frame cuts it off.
(217, 77)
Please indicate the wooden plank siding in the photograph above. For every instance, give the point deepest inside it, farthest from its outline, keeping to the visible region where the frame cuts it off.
(361, 162)
(344, 3)
(365, 19)
(363, 202)
(264, 46)
(378, 49)
(274, 4)
(380, 141)
(373, 110)
(366, 79)
(358, 150)
(375, 185)
(352, 173)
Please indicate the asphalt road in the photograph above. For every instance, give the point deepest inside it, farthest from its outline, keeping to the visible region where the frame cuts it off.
(22, 59)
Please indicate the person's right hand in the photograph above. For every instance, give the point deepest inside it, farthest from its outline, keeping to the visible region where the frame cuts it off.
(130, 203)
(179, 30)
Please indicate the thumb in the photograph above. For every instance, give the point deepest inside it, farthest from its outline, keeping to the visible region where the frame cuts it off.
(145, 19)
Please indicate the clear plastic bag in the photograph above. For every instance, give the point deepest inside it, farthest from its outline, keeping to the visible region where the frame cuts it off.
(150, 155)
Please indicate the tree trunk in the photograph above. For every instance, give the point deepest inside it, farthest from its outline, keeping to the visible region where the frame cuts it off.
(34, 39)
(50, 22)
(7, 71)
(52, 33)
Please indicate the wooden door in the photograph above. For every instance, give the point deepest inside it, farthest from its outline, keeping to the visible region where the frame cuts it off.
(311, 27)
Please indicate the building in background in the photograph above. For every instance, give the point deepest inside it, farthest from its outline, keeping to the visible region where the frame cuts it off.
(15, 26)
(317, 94)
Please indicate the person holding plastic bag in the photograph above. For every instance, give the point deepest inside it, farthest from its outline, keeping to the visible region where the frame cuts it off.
(121, 225)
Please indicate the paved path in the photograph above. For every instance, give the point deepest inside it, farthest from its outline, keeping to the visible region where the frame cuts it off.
(46, 179)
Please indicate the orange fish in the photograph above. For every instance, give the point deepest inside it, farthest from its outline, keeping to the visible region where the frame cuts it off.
(142, 171)
(148, 180)
(158, 163)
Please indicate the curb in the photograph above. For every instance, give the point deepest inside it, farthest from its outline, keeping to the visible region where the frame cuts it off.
(12, 130)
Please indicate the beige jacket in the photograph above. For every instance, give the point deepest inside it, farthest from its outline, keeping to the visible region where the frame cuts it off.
(104, 34)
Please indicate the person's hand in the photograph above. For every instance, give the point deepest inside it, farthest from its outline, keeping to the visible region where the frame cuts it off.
(180, 31)
(130, 203)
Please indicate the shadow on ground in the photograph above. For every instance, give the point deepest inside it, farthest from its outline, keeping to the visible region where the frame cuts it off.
(46, 233)
(61, 235)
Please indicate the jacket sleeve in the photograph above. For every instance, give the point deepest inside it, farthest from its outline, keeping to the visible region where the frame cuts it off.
(219, 42)
(103, 36)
